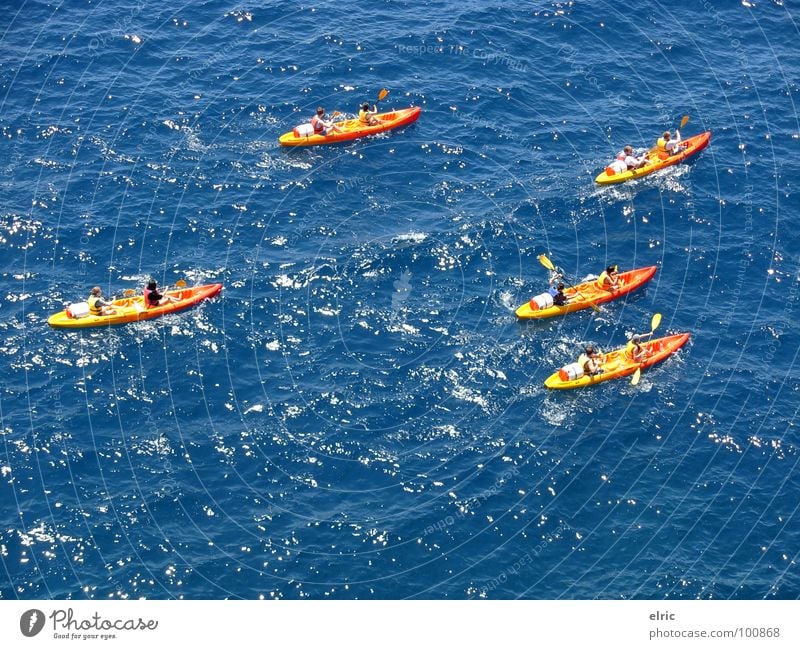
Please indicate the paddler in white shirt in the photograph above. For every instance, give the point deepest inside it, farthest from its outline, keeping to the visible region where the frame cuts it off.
(667, 145)
(631, 161)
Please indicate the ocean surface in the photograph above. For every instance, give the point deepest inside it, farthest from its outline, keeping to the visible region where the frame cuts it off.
(359, 414)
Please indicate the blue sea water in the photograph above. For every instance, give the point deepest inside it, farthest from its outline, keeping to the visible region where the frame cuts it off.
(360, 414)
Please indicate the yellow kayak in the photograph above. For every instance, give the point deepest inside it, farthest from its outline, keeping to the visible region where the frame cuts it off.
(582, 296)
(131, 309)
(351, 129)
(694, 144)
(616, 364)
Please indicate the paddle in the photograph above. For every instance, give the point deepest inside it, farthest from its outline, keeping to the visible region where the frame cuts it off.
(654, 322)
(544, 261)
(382, 94)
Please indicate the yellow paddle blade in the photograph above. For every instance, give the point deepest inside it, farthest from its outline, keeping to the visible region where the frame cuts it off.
(129, 292)
(180, 283)
(382, 94)
(684, 121)
(636, 376)
(655, 321)
(544, 261)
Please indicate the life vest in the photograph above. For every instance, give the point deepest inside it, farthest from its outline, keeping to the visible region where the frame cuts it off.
(661, 145)
(93, 306)
(630, 351)
(316, 122)
(582, 360)
(147, 303)
(605, 277)
(362, 116)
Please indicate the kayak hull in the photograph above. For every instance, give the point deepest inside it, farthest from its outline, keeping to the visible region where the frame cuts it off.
(695, 144)
(618, 363)
(582, 296)
(353, 129)
(131, 309)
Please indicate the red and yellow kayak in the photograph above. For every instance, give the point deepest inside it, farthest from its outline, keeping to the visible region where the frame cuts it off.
(619, 363)
(131, 309)
(582, 296)
(695, 144)
(352, 129)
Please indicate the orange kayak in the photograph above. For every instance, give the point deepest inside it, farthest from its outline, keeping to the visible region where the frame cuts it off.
(131, 309)
(695, 144)
(352, 129)
(582, 296)
(617, 364)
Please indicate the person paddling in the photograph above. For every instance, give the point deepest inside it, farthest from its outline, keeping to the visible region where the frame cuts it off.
(634, 349)
(152, 296)
(667, 145)
(323, 126)
(631, 161)
(559, 299)
(367, 116)
(609, 280)
(98, 305)
(590, 361)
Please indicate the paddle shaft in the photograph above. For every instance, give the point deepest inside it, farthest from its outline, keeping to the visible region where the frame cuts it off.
(654, 322)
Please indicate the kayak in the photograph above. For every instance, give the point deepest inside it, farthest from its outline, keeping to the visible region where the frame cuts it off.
(582, 296)
(617, 363)
(131, 309)
(351, 129)
(695, 144)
